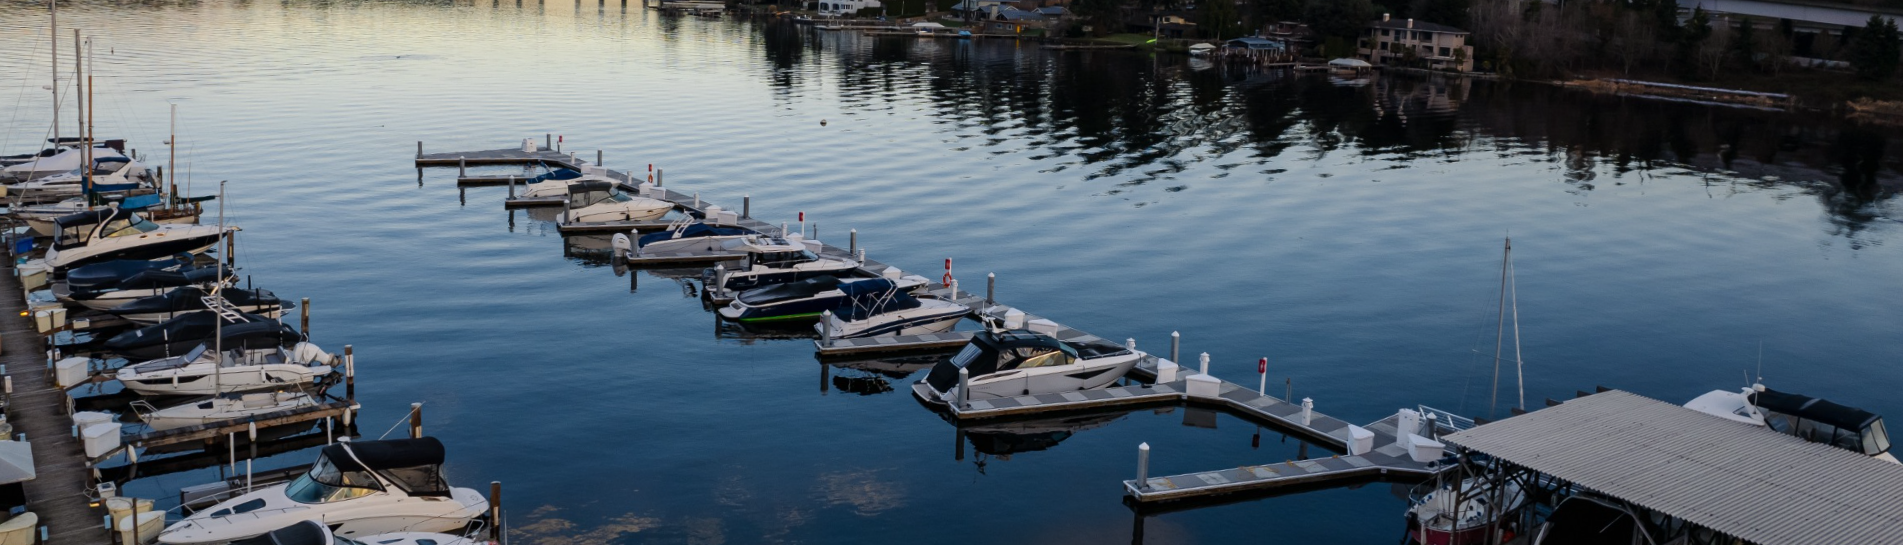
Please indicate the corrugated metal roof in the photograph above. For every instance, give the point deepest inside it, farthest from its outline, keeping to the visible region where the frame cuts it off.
(1748, 482)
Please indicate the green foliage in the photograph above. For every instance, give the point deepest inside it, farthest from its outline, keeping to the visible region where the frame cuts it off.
(1220, 19)
(1876, 48)
(1339, 18)
(1273, 11)
(1100, 15)
(1338, 48)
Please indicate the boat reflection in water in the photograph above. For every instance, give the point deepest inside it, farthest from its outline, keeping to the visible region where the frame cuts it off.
(1006, 438)
(872, 376)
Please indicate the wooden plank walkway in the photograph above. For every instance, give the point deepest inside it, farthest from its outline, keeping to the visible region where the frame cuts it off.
(38, 409)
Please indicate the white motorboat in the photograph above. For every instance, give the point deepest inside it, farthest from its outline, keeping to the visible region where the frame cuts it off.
(690, 235)
(1012, 363)
(775, 260)
(40, 216)
(1809, 418)
(804, 299)
(219, 409)
(109, 174)
(141, 285)
(66, 160)
(312, 533)
(554, 183)
(602, 202)
(876, 306)
(113, 233)
(358, 489)
(1463, 514)
(239, 370)
(189, 299)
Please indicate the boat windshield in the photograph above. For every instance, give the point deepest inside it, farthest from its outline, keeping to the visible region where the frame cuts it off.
(784, 259)
(325, 484)
(134, 226)
(1876, 439)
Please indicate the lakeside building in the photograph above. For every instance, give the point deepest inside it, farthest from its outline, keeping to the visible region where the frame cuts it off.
(1439, 46)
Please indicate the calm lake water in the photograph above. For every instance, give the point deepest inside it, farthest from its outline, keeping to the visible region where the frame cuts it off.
(1350, 234)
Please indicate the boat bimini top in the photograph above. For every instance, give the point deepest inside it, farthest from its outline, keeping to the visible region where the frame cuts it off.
(413, 465)
(590, 193)
(996, 351)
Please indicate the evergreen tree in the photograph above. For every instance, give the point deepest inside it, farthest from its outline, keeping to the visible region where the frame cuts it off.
(1744, 45)
(1876, 48)
(1452, 13)
(1690, 37)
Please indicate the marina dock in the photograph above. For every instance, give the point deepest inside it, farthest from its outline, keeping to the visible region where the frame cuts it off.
(37, 409)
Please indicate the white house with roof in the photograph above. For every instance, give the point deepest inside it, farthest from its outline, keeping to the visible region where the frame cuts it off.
(1440, 46)
(842, 8)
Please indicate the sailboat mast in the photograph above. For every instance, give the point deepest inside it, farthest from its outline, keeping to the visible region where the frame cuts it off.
(79, 120)
(171, 163)
(88, 169)
(1499, 336)
(1519, 367)
(53, 68)
(218, 320)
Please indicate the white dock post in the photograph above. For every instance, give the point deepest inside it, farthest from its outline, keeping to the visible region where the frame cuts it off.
(861, 256)
(826, 329)
(964, 388)
(571, 159)
(991, 289)
(1176, 343)
(696, 199)
(253, 431)
(783, 231)
(1143, 466)
(954, 288)
(746, 206)
(1308, 410)
(598, 158)
(1205, 361)
(350, 378)
(1262, 368)
(657, 180)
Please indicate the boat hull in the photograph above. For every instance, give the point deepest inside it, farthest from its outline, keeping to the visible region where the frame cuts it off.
(232, 379)
(1084, 375)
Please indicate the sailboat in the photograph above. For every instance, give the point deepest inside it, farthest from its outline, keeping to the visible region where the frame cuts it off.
(1473, 510)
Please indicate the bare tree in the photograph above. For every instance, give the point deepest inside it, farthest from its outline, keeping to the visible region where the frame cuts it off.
(1634, 38)
(1711, 53)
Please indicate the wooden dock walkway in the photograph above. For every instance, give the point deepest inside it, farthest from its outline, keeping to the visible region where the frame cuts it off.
(58, 493)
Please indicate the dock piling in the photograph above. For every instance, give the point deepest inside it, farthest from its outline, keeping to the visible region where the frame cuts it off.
(1176, 342)
(964, 388)
(511, 186)
(1308, 411)
(419, 149)
(861, 255)
(1143, 466)
(657, 180)
(746, 206)
(1205, 362)
(1262, 368)
(304, 318)
(548, 141)
(852, 241)
(991, 289)
(826, 328)
(462, 167)
(598, 158)
(495, 510)
(696, 200)
(350, 376)
(416, 420)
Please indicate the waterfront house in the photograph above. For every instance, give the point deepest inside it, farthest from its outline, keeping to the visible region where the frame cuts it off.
(844, 8)
(1424, 44)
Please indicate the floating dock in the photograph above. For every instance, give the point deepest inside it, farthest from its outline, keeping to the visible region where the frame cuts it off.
(37, 409)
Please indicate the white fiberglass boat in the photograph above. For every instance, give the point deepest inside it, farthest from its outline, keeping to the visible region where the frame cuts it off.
(554, 183)
(1012, 363)
(602, 202)
(220, 409)
(358, 489)
(65, 160)
(109, 174)
(775, 260)
(112, 233)
(1809, 418)
(201, 372)
(876, 306)
(311, 533)
(690, 235)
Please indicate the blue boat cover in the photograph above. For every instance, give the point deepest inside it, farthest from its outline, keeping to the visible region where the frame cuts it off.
(138, 202)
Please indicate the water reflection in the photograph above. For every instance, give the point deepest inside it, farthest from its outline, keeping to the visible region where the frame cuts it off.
(1126, 120)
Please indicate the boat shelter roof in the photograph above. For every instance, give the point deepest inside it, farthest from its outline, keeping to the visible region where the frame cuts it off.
(1738, 479)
